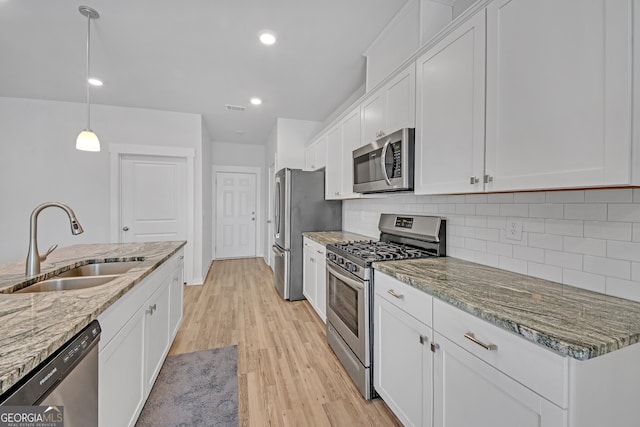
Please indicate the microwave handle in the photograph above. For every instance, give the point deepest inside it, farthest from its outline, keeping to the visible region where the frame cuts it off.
(383, 156)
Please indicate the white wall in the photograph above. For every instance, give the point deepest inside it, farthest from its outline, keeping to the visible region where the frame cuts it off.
(40, 163)
(235, 154)
(585, 238)
(291, 137)
(461, 5)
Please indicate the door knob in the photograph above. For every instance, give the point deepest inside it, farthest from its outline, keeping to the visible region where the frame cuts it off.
(125, 228)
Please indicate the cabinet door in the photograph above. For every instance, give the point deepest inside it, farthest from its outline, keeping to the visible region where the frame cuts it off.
(309, 273)
(321, 284)
(156, 333)
(333, 171)
(321, 153)
(372, 115)
(403, 364)
(350, 142)
(468, 391)
(450, 110)
(558, 93)
(121, 384)
(310, 157)
(176, 300)
(400, 105)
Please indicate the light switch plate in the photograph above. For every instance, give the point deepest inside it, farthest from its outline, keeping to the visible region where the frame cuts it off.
(514, 229)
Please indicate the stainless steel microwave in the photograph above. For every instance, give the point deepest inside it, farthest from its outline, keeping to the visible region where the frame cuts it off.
(385, 164)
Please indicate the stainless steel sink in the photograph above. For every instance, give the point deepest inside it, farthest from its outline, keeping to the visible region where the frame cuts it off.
(68, 283)
(100, 269)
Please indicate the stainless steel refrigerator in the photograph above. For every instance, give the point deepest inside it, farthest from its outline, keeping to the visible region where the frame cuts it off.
(299, 207)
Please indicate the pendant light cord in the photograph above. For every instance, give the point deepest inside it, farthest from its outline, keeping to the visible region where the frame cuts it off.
(88, 62)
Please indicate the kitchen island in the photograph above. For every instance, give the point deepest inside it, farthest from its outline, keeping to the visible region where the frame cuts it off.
(34, 325)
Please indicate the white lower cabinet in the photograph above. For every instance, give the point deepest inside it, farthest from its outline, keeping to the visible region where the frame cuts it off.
(469, 392)
(137, 332)
(314, 285)
(402, 369)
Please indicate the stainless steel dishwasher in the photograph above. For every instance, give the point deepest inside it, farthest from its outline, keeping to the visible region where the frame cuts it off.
(68, 378)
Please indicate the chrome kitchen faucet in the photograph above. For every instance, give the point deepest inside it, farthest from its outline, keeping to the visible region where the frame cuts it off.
(33, 257)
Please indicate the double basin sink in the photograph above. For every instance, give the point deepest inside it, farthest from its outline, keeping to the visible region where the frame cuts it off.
(85, 276)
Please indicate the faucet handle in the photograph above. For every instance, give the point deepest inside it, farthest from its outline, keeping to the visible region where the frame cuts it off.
(51, 249)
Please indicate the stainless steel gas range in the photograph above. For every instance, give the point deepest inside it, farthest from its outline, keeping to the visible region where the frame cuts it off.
(350, 286)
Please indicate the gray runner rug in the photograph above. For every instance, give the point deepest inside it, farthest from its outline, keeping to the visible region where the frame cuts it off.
(195, 389)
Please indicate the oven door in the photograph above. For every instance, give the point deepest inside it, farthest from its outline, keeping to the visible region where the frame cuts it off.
(347, 310)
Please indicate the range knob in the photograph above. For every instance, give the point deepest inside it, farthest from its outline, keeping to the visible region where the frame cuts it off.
(340, 260)
(351, 267)
(331, 256)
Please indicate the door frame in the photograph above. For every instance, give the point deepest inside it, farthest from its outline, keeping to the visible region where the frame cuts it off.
(257, 170)
(116, 153)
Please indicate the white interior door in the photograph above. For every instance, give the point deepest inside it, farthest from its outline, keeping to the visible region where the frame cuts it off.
(235, 215)
(153, 198)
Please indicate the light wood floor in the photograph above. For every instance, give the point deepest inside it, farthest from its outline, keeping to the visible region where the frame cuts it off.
(287, 374)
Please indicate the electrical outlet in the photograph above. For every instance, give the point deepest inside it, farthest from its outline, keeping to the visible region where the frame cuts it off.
(514, 229)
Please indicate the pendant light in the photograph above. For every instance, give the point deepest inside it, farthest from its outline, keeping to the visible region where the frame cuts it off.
(87, 139)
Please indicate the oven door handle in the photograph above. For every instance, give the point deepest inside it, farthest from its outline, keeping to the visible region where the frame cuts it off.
(352, 283)
(383, 156)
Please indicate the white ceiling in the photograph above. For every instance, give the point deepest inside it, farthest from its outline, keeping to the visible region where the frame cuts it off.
(194, 56)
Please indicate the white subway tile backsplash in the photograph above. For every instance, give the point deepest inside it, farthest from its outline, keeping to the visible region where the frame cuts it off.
(623, 288)
(543, 271)
(475, 245)
(533, 225)
(623, 195)
(491, 209)
(587, 211)
(584, 238)
(519, 210)
(564, 227)
(547, 210)
(500, 198)
(628, 212)
(623, 250)
(563, 259)
(545, 241)
(607, 267)
(565, 196)
(485, 258)
(580, 279)
(529, 254)
(475, 221)
(476, 198)
(465, 209)
(500, 223)
(580, 245)
(531, 197)
(607, 230)
(465, 231)
(500, 249)
(512, 264)
(491, 234)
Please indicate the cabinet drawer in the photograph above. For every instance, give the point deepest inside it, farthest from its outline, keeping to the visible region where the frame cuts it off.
(539, 369)
(409, 299)
(318, 249)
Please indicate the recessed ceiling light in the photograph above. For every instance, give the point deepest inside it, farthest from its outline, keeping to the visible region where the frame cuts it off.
(268, 37)
(95, 82)
(256, 101)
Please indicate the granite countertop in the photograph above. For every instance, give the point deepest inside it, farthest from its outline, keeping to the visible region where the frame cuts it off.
(34, 325)
(571, 321)
(329, 237)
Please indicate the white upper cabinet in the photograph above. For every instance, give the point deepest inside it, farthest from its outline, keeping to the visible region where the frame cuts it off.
(450, 112)
(391, 107)
(333, 171)
(315, 155)
(350, 141)
(558, 94)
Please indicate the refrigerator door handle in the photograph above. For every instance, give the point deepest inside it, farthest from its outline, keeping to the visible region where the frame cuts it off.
(276, 250)
(276, 206)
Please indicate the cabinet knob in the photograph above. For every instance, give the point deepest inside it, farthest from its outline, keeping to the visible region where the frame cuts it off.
(474, 180)
(125, 228)
(488, 179)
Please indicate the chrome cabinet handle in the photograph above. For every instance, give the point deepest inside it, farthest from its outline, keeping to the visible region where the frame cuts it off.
(393, 293)
(488, 179)
(471, 337)
(423, 339)
(320, 252)
(474, 180)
